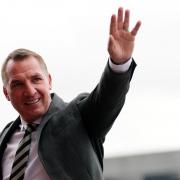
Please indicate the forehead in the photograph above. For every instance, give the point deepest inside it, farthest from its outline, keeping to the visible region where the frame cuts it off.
(27, 66)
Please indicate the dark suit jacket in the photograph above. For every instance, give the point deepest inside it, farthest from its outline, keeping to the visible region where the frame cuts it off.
(71, 135)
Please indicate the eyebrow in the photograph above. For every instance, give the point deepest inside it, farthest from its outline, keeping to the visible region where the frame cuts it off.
(37, 75)
(20, 80)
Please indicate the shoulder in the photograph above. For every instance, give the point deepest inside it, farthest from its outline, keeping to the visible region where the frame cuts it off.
(6, 127)
(81, 97)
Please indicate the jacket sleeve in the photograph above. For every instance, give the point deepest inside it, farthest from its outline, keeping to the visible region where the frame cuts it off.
(100, 108)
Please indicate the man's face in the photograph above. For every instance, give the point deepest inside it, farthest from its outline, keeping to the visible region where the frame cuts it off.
(28, 88)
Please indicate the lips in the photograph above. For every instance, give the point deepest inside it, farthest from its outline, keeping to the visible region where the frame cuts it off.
(32, 101)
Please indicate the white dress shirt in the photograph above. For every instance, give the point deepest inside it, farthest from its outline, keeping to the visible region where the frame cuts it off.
(35, 169)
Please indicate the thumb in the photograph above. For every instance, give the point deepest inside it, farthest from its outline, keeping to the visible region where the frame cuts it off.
(111, 44)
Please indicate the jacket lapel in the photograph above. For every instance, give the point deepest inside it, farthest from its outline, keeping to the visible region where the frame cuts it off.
(4, 138)
(8, 131)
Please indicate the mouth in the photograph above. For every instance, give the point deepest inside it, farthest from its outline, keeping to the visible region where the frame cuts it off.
(32, 102)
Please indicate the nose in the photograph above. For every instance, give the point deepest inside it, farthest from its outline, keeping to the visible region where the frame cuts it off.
(29, 90)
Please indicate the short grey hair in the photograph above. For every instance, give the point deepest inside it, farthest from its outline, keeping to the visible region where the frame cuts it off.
(19, 55)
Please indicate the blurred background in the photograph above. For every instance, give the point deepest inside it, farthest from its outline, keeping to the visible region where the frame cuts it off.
(72, 37)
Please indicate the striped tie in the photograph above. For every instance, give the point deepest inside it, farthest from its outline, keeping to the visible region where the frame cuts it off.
(22, 153)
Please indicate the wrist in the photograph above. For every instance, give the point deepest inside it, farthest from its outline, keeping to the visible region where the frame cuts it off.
(120, 68)
(120, 62)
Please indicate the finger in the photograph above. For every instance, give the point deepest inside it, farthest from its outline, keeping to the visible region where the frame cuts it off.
(113, 25)
(126, 20)
(136, 28)
(120, 18)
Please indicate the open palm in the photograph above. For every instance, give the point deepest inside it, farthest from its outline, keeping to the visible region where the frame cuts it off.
(121, 40)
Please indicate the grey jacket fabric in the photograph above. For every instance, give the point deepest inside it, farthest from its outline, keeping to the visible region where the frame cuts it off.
(71, 135)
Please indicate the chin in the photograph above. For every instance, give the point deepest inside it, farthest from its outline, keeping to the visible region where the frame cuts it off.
(33, 117)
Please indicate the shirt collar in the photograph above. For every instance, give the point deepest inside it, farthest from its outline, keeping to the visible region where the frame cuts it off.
(23, 124)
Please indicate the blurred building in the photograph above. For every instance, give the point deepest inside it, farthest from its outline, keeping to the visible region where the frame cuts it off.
(156, 166)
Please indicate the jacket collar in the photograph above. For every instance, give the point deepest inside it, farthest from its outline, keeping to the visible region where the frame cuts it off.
(56, 105)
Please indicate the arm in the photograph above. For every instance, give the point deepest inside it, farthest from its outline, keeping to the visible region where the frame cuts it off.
(102, 106)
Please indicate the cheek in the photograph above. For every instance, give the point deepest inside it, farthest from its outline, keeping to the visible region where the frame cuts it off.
(16, 102)
(15, 95)
(45, 88)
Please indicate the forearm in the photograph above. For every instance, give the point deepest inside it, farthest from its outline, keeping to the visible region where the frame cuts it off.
(102, 106)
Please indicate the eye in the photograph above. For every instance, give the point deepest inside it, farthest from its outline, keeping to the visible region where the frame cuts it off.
(16, 84)
(37, 79)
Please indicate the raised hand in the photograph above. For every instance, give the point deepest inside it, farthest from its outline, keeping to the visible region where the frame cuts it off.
(121, 40)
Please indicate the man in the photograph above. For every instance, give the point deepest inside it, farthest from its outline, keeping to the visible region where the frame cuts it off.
(68, 142)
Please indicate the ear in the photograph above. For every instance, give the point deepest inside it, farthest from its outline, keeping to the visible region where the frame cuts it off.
(6, 93)
(50, 81)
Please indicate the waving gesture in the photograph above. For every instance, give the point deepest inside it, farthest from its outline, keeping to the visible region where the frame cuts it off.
(121, 40)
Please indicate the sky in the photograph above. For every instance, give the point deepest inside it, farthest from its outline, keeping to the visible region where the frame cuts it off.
(72, 38)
